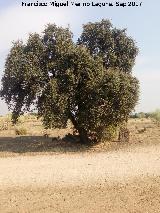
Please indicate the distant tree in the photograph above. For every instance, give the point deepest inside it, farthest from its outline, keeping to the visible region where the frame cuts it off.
(155, 115)
(89, 82)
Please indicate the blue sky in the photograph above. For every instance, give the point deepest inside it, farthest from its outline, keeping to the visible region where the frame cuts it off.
(142, 24)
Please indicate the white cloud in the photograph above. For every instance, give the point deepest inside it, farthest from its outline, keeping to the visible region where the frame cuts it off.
(148, 73)
(147, 63)
(149, 89)
(152, 76)
(17, 22)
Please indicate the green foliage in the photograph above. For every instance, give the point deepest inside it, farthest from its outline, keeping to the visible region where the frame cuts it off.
(20, 131)
(113, 45)
(155, 115)
(109, 133)
(90, 82)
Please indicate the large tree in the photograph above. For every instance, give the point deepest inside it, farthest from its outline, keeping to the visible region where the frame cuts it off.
(89, 82)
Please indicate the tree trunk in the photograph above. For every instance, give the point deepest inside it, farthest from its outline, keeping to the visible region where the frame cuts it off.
(82, 132)
(83, 136)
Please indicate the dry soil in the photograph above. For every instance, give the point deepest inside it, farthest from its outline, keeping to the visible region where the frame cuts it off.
(117, 179)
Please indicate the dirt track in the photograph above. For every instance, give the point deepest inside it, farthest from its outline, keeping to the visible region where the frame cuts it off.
(118, 181)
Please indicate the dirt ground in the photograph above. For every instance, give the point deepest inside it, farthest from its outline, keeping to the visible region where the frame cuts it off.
(37, 175)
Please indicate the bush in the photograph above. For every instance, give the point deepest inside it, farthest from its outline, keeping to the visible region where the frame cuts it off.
(20, 131)
(109, 133)
(155, 115)
(139, 115)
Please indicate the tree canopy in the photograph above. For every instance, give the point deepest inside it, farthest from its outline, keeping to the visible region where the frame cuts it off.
(89, 82)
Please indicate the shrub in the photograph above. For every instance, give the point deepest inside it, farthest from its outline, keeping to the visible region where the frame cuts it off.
(155, 115)
(139, 115)
(109, 133)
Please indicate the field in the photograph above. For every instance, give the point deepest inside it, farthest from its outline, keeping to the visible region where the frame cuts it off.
(53, 174)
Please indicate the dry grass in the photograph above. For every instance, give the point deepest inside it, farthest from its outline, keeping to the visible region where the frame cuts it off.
(143, 132)
(137, 193)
